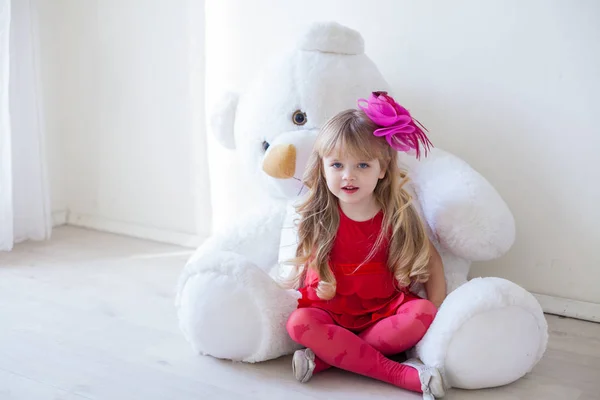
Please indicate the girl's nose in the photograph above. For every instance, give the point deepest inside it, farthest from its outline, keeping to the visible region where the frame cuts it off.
(348, 175)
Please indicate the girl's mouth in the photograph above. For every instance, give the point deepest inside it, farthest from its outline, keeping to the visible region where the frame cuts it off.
(349, 189)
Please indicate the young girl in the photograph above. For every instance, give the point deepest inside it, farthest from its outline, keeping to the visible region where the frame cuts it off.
(361, 245)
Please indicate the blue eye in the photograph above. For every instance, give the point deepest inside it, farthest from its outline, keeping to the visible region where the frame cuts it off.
(336, 165)
(363, 165)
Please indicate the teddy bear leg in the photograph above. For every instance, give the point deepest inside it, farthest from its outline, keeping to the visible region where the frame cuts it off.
(229, 308)
(489, 332)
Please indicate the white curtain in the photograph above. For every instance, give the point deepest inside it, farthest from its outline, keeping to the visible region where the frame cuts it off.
(24, 192)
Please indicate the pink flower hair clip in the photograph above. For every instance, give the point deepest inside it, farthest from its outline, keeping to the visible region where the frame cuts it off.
(401, 131)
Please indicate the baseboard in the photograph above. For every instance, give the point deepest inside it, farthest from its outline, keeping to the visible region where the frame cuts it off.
(569, 308)
(59, 217)
(134, 230)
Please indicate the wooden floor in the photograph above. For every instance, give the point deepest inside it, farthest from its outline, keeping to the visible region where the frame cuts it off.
(90, 315)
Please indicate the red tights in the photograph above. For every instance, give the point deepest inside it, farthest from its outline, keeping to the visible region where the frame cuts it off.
(365, 353)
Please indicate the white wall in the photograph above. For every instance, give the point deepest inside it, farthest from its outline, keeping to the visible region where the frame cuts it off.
(510, 86)
(124, 89)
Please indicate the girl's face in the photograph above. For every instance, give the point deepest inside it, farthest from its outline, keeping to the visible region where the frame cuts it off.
(352, 180)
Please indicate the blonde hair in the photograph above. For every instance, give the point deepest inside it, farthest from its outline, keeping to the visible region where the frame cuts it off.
(408, 255)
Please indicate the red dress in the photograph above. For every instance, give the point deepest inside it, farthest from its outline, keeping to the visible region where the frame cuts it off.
(364, 295)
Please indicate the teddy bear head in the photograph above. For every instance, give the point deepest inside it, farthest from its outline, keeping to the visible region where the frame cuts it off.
(274, 122)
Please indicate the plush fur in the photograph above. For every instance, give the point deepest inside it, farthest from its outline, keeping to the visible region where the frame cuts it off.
(229, 305)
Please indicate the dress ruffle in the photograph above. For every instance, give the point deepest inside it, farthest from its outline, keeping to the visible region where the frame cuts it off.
(362, 298)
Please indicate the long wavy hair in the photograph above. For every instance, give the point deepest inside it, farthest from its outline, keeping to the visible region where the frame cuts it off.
(351, 132)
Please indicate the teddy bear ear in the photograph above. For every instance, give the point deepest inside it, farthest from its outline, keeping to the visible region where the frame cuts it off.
(331, 37)
(222, 119)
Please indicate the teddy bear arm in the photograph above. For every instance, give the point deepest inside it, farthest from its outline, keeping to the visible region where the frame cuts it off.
(467, 215)
(255, 237)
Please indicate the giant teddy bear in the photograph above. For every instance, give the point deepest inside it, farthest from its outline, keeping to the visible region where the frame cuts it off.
(488, 332)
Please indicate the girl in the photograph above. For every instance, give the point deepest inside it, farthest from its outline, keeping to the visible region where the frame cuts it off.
(361, 245)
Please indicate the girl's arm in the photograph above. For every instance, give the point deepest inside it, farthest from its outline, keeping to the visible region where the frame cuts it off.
(436, 285)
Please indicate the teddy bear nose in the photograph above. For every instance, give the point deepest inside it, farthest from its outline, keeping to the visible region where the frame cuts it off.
(281, 161)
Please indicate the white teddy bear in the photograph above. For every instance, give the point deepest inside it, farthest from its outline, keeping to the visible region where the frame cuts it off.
(488, 332)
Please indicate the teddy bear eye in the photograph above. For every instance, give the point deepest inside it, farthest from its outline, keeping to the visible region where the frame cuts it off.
(265, 145)
(299, 117)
